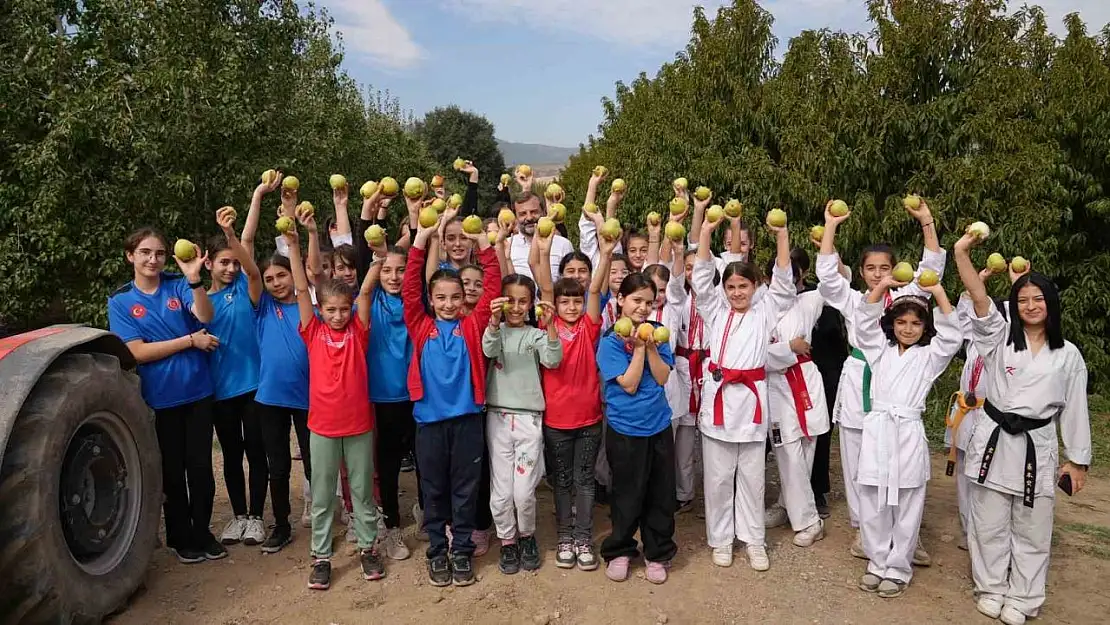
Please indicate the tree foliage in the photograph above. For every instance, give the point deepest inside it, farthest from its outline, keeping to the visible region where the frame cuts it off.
(987, 114)
(450, 133)
(120, 113)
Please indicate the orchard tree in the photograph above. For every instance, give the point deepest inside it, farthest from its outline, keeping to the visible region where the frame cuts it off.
(450, 133)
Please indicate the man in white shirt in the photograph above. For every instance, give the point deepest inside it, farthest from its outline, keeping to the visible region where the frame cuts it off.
(529, 209)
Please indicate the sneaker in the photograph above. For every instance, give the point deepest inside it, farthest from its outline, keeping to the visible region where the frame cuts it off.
(963, 542)
(989, 606)
(757, 557)
(685, 506)
(407, 464)
(320, 577)
(254, 532)
(439, 572)
(418, 518)
(508, 562)
(1011, 615)
(921, 557)
(891, 588)
(372, 567)
(349, 535)
(186, 555)
(587, 559)
(810, 535)
(529, 553)
(462, 573)
(857, 547)
(722, 556)
(395, 547)
(565, 555)
(480, 538)
(823, 510)
(214, 550)
(617, 570)
(775, 516)
(233, 532)
(657, 571)
(870, 582)
(278, 539)
(306, 514)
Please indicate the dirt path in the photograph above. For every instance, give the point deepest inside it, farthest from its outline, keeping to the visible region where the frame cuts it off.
(817, 585)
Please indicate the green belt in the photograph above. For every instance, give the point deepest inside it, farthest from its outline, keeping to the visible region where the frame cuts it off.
(858, 355)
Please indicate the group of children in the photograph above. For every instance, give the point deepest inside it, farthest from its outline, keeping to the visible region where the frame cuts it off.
(505, 355)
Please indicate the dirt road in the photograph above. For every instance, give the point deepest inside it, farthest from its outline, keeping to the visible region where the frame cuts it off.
(816, 585)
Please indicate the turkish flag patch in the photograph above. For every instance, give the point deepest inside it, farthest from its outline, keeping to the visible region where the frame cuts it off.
(138, 311)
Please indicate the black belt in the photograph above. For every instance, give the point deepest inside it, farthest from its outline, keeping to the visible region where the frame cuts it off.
(1013, 424)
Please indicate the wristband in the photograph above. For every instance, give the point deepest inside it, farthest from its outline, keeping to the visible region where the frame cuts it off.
(196, 285)
(927, 225)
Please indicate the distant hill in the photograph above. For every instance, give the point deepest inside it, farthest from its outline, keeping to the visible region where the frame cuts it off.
(534, 153)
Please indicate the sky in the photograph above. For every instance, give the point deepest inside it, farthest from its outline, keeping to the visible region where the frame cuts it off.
(538, 69)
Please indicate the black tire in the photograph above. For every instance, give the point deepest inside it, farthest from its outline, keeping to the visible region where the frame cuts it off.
(80, 493)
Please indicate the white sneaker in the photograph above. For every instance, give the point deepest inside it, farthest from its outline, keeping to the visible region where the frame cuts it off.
(757, 557)
(418, 517)
(1011, 615)
(722, 556)
(921, 557)
(233, 533)
(989, 606)
(857, 547)
(255, 532)
(395, 547)
(775, 516)
(306, 515)
(810, 535)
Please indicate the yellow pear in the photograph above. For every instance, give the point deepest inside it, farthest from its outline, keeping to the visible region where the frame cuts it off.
(980, 230)
(185, 250)
(611, 229)
(903, 272)
(553, 191)
(268, 176)
(996, 263)
(437, 181)
(337, 181)
(290, 183)
(506, 179)
(678, 205)
(545, 226)
(675, 231)
(654, 218)
(733, 208)
(414, 188)
(680, 184)
(506, 217)
(369, 188)
(1019, 264)
(285, 224)
(928, 278)
(702, 193)
(304, 209)
(623, 327)
(375, 235)
(645, 331)
(817, 232)
(439, 205)
(839, 208)
(619, 185)
(459, 164)
(524, 170)
(492, 236)
(472, 224)
(389, 186)
(428, 217)
(454, 201)
(589, 207)
(714, 214)
(601, 171)
(557, 213)
(912, 202)
(776, 217)
(661, 335)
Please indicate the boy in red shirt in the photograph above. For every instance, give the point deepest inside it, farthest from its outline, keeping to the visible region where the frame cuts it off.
(340, 416)
(572, 393)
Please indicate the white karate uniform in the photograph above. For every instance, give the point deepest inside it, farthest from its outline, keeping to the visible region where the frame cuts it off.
(733, 452)
(794, 450)
(1010, 542)
(848, 411)
(894, 452)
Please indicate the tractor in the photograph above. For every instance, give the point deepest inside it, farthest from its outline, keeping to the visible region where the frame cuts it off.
(80, 476)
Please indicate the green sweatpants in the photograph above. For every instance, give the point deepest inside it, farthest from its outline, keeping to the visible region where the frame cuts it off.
(357, 452)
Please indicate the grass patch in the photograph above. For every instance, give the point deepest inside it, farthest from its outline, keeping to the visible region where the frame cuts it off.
(1099, 406)
(1093, 540)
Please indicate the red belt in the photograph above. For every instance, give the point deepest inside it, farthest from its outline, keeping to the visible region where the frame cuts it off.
(747, 377)
(696, 358)
(800, 391)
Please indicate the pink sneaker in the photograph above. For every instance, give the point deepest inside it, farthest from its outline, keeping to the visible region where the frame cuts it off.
(481, 542)
(618, 569)
(657, 571)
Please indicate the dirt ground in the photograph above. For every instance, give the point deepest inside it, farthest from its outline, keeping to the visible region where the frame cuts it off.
(816, 585)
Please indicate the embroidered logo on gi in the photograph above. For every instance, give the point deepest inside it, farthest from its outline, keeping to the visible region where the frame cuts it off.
(138, 311)
(457, 331)
(1010, 370)
(173, 303)
(230, 297)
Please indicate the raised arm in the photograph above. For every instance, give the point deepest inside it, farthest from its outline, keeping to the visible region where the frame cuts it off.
(470, 200)
(492, 346)
(250, 228)
(832, 284)
(599, 279)
(782, 293)
(369, 283)
(973, 282)
(300, 279)
(342, 217)
(225, 217)
(491, 278)
(699, 213)
(412, 285)
(949, 336)
(676, 286)
(201, 306)
(315, 266)
(539, 260)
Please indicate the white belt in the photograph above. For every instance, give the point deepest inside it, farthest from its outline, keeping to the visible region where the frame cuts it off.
(890, 417)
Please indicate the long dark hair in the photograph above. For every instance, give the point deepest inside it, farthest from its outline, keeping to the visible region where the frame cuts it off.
(740, 268)
(519, 279)
(634, 282)
(1053, 332)
(917, 305)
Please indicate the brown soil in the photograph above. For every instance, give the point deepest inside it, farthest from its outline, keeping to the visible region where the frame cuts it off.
(816, 585)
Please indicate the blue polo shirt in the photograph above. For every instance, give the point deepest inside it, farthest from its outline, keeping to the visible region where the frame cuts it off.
(390, 349)
(162, 316)
(445, 374)
(234, 364)
(643, 413)
(283, 376)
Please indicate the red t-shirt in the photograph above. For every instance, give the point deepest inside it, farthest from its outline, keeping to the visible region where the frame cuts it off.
(338, 393)
(573, 389)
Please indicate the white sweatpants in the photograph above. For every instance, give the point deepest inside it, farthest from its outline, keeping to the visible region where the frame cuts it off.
(515, 445)
(733, 491)
(795, 492)
(684, 438)
(889, 533)
(850, 441)
(1007, 536)
(963, 486)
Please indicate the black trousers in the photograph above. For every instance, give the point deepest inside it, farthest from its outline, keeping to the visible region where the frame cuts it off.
(449, 454)
(642, 495)
(573, 454)
(240, 432)
(819, 476)
(185, 440)
(395, 437)
(275, 422)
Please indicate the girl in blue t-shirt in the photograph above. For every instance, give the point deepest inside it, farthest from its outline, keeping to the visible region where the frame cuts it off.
(639, 443)
(235, 291)
(158, 316)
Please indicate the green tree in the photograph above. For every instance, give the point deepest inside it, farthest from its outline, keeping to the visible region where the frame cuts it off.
(123, 113)
(985, 113)
(450, 133)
